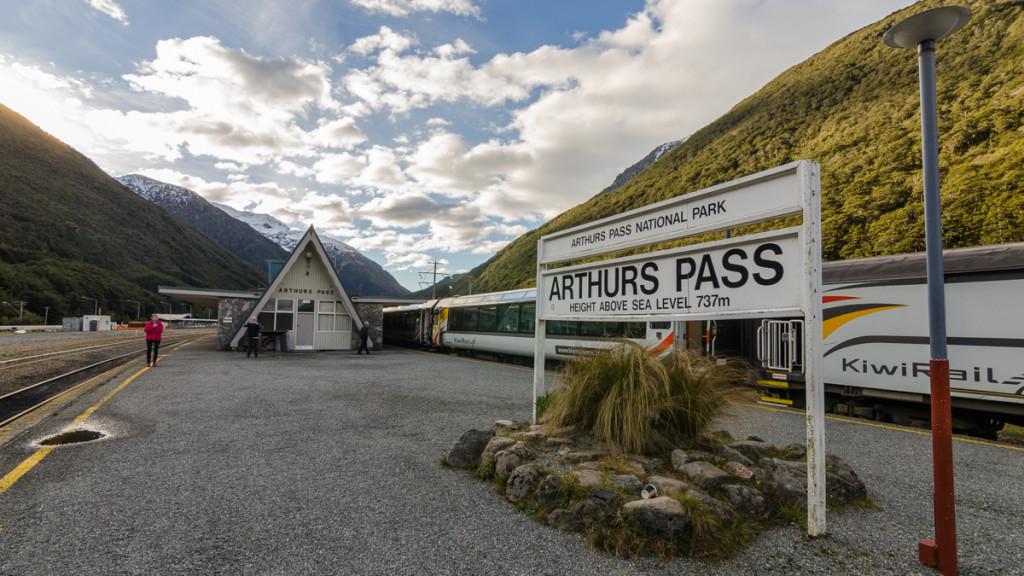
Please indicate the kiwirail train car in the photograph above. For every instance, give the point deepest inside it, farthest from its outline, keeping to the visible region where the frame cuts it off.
(503, 324)
(876, 339)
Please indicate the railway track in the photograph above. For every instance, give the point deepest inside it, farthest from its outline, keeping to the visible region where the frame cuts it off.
(31, 381)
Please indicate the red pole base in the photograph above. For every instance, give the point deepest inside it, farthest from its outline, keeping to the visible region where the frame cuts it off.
(928, 552)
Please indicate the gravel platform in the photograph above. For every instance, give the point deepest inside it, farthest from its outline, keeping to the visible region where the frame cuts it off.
(328, 463)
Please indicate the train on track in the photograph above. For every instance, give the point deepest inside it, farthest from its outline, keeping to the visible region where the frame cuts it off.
(875, 327)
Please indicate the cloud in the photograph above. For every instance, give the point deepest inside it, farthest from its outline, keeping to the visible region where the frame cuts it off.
(406, 7)
(400, 81)
(110, 8)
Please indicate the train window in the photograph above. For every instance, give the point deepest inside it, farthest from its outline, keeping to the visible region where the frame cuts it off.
(455, 319)
(528, 318)
(562, 327)
(661, 325)
(595, 329)
(509, 318)
(638, 329)
(488, 319)
(469, 319)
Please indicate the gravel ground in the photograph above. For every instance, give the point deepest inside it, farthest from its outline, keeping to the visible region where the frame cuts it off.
(328, 464)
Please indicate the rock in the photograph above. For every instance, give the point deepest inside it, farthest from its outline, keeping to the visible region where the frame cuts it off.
(588, 477)
(506, 460)
(721, 511)
(739, 470)
(557, 441)
(495, 445)
(466, 452)
(731, 455)
(752, 449)
(841, 482)
(796, 450)
(578, 457)
(604, 494)
(627, 482)
(580, 517)
(661, 516)
(667, 486)
(505, 425)
(550, 491)
(638, 467)
(520, 482)
(679, 458)
(780, 483)
(706, 475)
(748, 501)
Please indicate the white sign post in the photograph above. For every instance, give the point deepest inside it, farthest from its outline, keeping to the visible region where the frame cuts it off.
(770, 274)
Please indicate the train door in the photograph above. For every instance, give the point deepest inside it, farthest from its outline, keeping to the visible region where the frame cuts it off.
(780, 345)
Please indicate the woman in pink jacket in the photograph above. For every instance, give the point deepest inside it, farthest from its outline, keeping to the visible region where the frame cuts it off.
(154, 332)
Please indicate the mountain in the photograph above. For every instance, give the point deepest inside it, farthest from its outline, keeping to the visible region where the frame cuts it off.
(633, 171)
(360, 275)
(72, 239)
(854, 108)
(235, 236)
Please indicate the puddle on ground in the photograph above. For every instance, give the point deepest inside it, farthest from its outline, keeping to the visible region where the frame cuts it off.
(72, 437)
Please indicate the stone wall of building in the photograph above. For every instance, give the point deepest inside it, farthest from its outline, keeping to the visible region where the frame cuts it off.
(374, 314)
(231, 314)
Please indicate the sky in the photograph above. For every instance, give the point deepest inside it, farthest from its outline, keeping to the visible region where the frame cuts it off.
(417, 131)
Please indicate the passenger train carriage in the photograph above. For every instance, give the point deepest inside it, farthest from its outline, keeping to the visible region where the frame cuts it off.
(876, 344)
(503, 323)
(875, 328)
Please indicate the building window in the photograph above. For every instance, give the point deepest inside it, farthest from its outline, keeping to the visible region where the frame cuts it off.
(332, 317)
(278, 315)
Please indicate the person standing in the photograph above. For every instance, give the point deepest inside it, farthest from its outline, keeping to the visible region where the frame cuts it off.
(364, 336)
(154, 333)
(252, 331)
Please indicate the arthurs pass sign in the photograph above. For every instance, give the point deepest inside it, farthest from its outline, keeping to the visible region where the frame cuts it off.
(769, 274)
(755, 273)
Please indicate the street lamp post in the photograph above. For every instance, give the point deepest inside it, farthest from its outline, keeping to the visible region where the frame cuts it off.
(46, 315)
(138, 308)
(923, 31)
(95, 305)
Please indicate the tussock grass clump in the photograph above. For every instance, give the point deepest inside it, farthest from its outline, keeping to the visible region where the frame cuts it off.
(635, 403)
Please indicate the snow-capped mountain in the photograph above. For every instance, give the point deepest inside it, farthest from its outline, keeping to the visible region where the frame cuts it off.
(359, 274)
(275, 239)
(192, 208)
(631, 172)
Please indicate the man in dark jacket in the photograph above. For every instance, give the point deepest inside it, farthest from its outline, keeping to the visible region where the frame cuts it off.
(252, 332)
(364, 335)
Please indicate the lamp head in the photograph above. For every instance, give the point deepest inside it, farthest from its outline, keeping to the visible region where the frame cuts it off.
(934, 24)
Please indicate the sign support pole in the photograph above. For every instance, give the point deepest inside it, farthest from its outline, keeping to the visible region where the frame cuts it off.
(810, 177)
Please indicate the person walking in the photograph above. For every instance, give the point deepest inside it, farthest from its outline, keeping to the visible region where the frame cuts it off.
(252, 331)
(364, 337)
(154, 330)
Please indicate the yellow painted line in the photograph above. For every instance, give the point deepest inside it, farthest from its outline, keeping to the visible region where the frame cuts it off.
(13, 476)
(773, 383)
(887, 427)
(781, 401)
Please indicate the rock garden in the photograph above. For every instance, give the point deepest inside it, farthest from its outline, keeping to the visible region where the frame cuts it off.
(667, 485)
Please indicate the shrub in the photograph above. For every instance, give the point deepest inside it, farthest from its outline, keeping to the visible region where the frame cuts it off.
(635, 403)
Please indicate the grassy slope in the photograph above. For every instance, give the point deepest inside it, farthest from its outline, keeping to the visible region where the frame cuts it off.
(68, 230)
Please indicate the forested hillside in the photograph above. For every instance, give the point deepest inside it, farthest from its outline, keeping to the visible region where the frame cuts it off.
(854, 108)
(69, 234)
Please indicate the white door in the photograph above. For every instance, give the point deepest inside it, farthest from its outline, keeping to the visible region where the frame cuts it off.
(304, 331)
